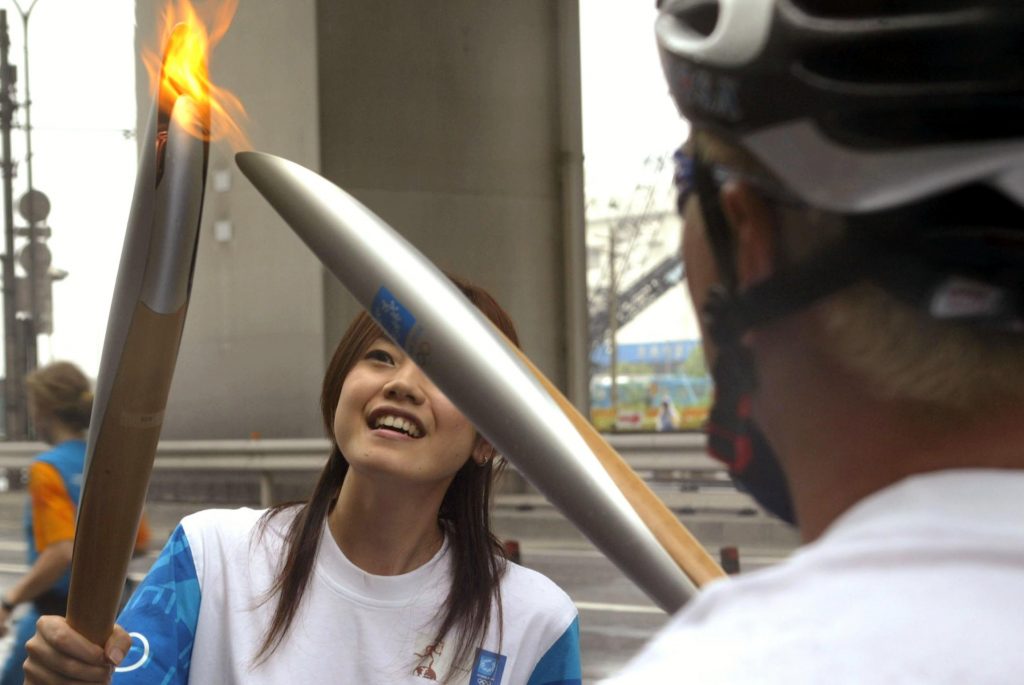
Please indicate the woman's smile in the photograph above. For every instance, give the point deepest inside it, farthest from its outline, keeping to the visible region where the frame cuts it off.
(395, 421)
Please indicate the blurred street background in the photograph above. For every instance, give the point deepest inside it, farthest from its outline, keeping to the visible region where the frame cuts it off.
(615, 617)
(526, 146)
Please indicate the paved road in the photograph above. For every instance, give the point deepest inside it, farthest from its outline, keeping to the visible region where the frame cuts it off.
(616, 618)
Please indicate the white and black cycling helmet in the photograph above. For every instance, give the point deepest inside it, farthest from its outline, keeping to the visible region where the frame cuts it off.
(890, 113)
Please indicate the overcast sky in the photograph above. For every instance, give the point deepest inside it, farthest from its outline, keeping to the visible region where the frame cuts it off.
(628, 117)
(82, 83)
(627, 112)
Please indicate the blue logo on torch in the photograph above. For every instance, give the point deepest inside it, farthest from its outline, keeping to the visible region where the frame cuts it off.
(394, 318)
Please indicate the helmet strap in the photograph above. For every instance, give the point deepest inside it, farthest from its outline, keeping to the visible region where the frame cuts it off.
(730, 312)
(716, 225)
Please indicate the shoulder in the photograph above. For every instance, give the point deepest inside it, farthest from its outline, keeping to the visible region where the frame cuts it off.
(237, 523)
(70, 449)
(221, 521)
(230, 528)
(60, 466)
(760, 612)
(40, 470)
(831, 606)
(239, 538)
(71, 452)
(45, 480)
(531, 597)
(541, 627)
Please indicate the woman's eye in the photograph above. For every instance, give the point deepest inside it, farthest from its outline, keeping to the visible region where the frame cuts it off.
(380, 356)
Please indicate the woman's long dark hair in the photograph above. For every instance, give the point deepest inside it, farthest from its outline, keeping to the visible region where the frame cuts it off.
(478, 559)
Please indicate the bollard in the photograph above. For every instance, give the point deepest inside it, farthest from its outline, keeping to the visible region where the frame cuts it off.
(730, 559)
(512, 551)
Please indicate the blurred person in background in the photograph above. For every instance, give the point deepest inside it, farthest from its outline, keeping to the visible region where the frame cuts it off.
(60, 404)
(668, 417)
(853, 194)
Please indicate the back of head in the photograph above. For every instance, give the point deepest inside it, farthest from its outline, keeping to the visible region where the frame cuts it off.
(888, 136)
(62, 391)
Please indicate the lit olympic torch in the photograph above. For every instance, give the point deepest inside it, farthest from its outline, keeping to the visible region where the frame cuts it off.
(147, 315)
(490, 382)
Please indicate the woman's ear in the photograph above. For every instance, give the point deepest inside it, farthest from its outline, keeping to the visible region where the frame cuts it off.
(483, 451)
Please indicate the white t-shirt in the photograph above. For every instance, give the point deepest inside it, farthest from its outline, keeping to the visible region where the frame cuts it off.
(922, 582)
(200, 617)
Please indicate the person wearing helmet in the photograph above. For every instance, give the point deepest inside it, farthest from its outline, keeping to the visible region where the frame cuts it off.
(853, 195)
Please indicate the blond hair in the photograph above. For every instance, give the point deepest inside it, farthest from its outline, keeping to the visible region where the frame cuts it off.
(899, 352)
(61, 389)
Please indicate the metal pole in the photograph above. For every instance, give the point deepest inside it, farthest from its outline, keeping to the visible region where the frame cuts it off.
(573, 215)
(31, 358)
(613, 323)
(28, 98)
(14, 424)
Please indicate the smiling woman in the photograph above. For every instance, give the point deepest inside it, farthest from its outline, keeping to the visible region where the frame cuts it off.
(389, 573)
(392, 419)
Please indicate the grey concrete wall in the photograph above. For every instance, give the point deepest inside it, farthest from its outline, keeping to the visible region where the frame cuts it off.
(444, 118)
(251, 358)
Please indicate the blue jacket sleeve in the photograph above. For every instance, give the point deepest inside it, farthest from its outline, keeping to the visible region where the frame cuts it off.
(560, 665)
(161, 618)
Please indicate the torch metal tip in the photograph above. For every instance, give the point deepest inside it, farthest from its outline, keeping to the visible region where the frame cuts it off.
(249, 161)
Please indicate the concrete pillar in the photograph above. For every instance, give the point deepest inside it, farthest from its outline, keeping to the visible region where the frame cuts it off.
(456, 121)
(252, 350)
(447, 120)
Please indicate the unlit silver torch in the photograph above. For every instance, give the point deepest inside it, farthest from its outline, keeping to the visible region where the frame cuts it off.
(462, 353)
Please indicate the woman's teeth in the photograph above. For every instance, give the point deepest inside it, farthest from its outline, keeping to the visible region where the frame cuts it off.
(397, 423)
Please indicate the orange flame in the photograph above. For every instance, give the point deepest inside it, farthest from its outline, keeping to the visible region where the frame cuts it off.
(182, 70)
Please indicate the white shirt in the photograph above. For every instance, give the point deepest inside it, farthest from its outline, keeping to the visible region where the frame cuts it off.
(200, 617)
(922, 582)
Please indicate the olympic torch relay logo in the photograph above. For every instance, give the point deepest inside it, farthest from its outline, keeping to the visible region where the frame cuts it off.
(392, 316)
(488, 668)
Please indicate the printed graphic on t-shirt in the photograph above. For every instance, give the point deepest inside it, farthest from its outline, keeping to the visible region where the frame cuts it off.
(435, 663)
(429, 654)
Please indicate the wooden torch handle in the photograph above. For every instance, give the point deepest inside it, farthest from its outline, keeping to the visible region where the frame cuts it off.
(118, 471)
(680, 544)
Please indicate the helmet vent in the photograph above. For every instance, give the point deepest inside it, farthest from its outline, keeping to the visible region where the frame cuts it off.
(894, 127)
(703, 18)
(902, 65)
(878, 9)
(699, 16)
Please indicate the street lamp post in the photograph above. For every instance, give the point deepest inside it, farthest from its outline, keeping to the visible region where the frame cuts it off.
(15, 421)
(31, 327)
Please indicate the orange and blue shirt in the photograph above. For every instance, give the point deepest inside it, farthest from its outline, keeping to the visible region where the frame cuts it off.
(54, 485)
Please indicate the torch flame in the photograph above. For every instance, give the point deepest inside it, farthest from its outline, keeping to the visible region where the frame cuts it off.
(182, 70)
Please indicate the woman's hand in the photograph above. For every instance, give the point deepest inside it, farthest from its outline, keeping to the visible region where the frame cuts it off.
(58, 654)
